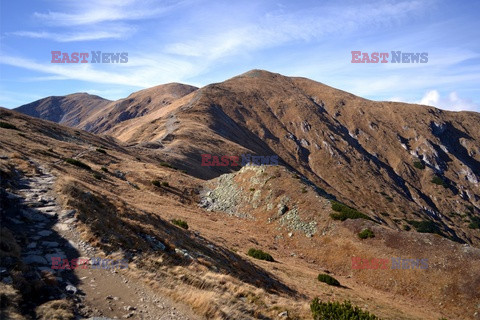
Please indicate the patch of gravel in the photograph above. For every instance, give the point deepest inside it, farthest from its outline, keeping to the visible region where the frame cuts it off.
(228, 197)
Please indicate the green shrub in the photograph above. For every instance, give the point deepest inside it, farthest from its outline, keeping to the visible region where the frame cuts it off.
(406, 227)
(259, 254)
(101, 150)
(6, 125)
(419, 165)
(252, 189)
(97, 176)
(78, 163)
(385, 214)
(475, 223)
(165, 184)
(167, 165)
(322, 277)
(104, 169)
(304, 190)
(438, 180)
(156, 183)
(425, 226)
(366, 233)
(336, 311)
(180, 223)
(345, 212)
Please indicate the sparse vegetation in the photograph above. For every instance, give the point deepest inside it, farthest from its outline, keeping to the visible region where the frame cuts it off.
(336, 310)
(345, 212)
(252, 189)
(406, 227)
(259, 254)
(104, 169)
(304, 190)
(475, 223)
(56, 310)
(366, 233)
(323, 277)
(165, 184)
(419, 165)
(167, 165)
(156, 183)
(78, 163)
(425, 226)
(180, 223)
(101, 150)
(438, 180)
(385, 214)
(6, 125)
(97, 176)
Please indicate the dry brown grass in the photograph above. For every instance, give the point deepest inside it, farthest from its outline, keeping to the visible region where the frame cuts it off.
(9, 302)
(55, 310)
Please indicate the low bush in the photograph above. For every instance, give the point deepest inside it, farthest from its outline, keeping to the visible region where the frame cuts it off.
(97, 176)
(419, 165)
(156, 183)
(322, 277)
(78, 163)
(104, 169)
(336, 310)
(259, 254)
(165, 184)
(180, 223)
(6, 125)
(167, 165)
(101, 150)
(366, 233)
(438, 180)
(425, 226)
(345, 212)
(475, 223)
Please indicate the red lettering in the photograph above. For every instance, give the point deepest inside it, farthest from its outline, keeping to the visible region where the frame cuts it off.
(355, 55)
(365, 58)
(235, 160)
(384, 55)
(65, 264)
(205, 158)
(56, 262)
(73, 263)
(75, 57)
(225, 161)
(83, 263)
(375, 57)
(84, 55)
(215, 161)
(356, 263)
(65, 58)
(55, 58)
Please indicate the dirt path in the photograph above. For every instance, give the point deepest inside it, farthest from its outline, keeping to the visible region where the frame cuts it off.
(97, 292)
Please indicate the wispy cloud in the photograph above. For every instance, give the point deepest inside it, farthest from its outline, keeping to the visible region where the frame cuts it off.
(143, 72)
(96, 20)
(277, 28)
(93, 12)
(121, 33)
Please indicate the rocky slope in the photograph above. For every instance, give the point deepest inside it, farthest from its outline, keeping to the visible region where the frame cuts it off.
(395, 162)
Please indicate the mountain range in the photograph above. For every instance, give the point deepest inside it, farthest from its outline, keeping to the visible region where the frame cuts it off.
(408, 173)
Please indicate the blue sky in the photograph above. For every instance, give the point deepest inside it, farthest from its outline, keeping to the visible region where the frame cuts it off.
(200, 42)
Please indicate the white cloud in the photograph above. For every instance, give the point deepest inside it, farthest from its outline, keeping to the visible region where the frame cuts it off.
(71, 37)
(94, 12)
(141, 71)
(277, 28)
(452, 102)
